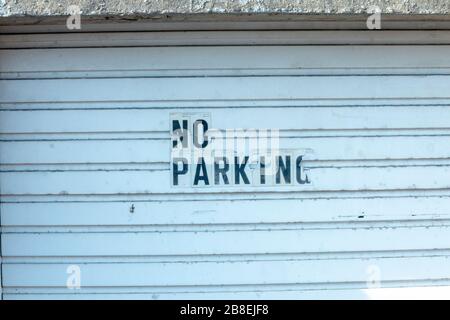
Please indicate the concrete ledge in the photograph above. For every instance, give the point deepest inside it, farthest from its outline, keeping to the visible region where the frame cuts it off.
(215, 22)
(153, 8)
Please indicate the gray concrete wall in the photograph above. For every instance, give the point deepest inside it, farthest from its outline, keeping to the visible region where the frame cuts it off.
(150, 8)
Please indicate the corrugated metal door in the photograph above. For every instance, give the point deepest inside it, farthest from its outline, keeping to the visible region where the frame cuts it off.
(85, 178)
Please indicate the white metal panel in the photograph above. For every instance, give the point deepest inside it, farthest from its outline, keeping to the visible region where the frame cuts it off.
(325, 178)
(223, 211)
(236, 60)
(283, 240)
(426, 291)
(320, 119)
(84, 166)
(217, 38)
(226, 88)
(61, 150)
(232, 273)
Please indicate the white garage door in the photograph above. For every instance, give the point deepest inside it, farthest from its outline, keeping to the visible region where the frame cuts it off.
(87, 196)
